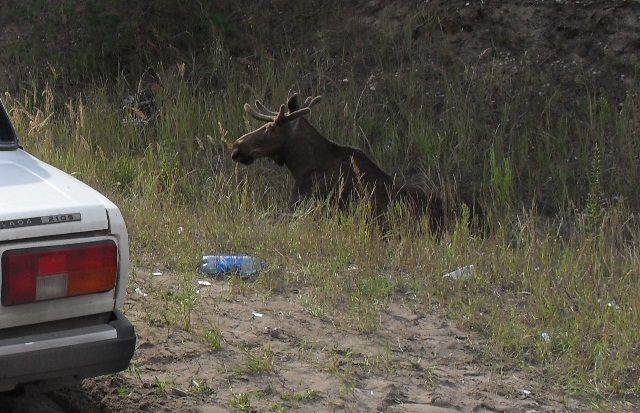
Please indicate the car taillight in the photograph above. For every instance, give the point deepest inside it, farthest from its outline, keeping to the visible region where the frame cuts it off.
(35, 274)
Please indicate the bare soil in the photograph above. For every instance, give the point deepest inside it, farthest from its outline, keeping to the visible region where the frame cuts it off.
(277, 355)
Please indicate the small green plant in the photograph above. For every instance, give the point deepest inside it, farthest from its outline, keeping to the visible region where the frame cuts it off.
(241, 402)
(187, 299)
(501, 177)
(278, 408)
(123, 391)
(162, 383)
(200, 386)
(595, 197)
(301, 396)
(213, 338)
(259, 362)
(135, 371)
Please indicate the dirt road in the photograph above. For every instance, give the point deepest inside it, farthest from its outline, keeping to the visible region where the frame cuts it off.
(276, 356)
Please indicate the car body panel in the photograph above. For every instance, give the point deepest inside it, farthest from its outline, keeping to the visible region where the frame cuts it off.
(36, 198)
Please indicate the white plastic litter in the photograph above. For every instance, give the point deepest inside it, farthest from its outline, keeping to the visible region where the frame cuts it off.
(461, 273)
(139, 291)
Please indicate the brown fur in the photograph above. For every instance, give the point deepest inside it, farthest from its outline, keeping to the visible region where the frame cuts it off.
(324, 169)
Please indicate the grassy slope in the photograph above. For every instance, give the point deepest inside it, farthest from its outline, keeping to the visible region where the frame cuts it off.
(574, 277)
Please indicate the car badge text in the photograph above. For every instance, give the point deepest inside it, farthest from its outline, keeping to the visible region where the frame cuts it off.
(44, 220)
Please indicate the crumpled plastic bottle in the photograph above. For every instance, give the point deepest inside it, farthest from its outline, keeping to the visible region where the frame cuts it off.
(244, 265)
(461, 273)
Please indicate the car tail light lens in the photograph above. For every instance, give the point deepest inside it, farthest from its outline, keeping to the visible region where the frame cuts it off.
(35, 274)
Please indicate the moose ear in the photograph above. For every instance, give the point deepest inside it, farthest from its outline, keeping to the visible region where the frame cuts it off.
(293, 103)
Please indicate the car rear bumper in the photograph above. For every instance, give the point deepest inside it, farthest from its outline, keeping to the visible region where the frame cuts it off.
(78, 353)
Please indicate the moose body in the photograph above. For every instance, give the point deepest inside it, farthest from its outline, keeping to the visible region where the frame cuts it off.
(322, 168)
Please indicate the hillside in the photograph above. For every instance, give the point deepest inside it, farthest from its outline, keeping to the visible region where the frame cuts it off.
(568, 44)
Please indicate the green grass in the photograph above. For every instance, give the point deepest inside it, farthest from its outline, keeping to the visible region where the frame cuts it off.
(213, 338)
(257, 361)
(574, 277)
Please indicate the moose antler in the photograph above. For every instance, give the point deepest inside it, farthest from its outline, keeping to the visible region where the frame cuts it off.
(310, 101)
(265, 109)
(261, 112)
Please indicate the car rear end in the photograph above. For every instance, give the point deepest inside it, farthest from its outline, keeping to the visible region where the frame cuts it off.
(64, 265)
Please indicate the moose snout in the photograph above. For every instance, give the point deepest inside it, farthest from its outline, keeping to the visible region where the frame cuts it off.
(235, 153)
(240, 155)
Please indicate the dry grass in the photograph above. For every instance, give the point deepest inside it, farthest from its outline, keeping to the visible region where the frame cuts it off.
(557, 294)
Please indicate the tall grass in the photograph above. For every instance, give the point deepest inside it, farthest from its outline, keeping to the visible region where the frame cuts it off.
(560, 294)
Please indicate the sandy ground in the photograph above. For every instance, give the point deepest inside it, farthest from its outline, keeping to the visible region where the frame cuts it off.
(289, 360)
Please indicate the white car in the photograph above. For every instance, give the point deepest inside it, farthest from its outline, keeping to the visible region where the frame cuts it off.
(64, 258)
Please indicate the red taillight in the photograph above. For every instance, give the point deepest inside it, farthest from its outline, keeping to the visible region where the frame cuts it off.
(35, 274)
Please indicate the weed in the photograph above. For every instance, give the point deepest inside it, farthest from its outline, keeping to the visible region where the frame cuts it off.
(595, 197)
(301, 396)
(162, 383)
(259, 362)
(187, 298)
(213, 338)
(501, 177)
(135, 371)
(123, 391)
(278, 408)
(241, 402)
(200, 386)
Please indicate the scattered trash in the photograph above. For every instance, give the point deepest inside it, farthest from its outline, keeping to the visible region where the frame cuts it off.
(179, 392)
(180, 230)
(526, 392)
(244, 265)
(613, 305)
(205, 283)
(156, 274)
(254, 314)
(461, 273)
(139, 291)
(546, 337)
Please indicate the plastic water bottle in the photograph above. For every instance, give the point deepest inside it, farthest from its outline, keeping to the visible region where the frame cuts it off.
(461, 273)
(245, 265)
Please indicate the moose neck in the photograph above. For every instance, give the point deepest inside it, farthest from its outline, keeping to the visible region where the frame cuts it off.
(305, 150)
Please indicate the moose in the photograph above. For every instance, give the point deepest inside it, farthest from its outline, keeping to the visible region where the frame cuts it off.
(325, 169)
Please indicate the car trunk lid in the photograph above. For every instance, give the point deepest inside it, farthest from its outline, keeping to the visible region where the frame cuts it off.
(38, 200)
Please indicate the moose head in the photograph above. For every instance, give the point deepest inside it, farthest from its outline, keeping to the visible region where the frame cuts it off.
(270, 139)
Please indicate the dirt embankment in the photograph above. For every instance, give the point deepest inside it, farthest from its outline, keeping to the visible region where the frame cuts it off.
(571, 44)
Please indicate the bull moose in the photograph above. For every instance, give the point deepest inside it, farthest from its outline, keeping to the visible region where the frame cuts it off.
(325, 169)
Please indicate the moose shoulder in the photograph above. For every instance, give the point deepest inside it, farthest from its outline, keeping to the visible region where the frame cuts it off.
(321, 167)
